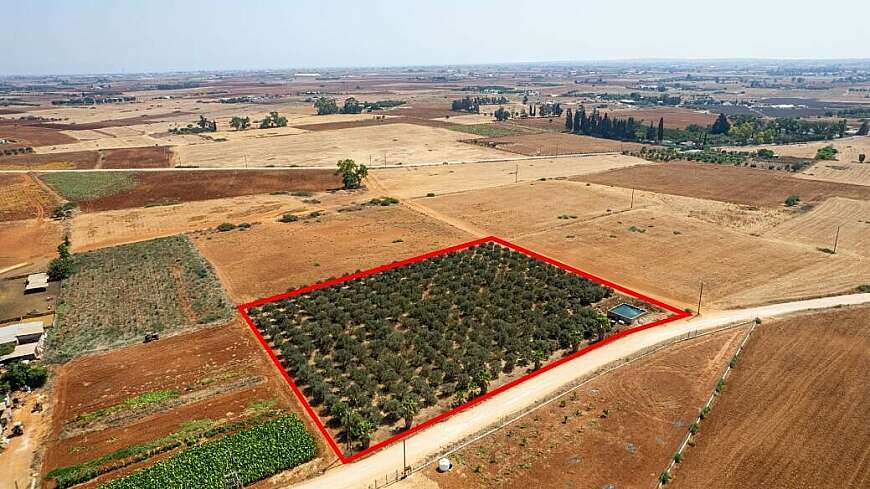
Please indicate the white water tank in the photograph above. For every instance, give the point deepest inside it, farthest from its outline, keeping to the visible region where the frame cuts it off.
(444, 464)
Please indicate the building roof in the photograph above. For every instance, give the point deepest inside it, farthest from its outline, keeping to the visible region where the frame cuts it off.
(21, 351)
(36, 281)
(9, 334)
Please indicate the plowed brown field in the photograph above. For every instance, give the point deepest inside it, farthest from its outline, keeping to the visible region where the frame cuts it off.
(648, 405)
(21, 197)
(161, 188)
(725, 183)
(553, 143)
(794, 413)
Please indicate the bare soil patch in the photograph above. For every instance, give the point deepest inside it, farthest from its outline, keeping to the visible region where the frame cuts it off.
(838, 171)
(31, 241)
(797, 398)
(32, 134)
(616, 430)
(22, 197)
(725, 183)
(147, 157)
(551, 143)
(275, 257)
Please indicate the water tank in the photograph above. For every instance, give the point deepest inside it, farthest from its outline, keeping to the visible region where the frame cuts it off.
(444, 464)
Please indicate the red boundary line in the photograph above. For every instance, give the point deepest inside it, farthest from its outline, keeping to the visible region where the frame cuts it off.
(243, 310)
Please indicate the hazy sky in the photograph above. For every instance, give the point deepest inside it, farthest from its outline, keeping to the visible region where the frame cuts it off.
(122, 36)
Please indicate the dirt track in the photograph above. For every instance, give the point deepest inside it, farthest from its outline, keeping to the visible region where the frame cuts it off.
(428, 443)
(794, 413)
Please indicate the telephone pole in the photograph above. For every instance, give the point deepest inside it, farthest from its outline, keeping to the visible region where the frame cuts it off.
(631, 206)
(517, 174)
(700, 294)
(836, 238)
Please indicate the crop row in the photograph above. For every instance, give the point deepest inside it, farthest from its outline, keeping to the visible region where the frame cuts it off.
(254, 454)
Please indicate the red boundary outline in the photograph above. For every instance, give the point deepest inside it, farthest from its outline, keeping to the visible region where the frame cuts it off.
(243, 310)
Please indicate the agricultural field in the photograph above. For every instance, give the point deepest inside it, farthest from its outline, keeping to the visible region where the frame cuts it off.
(22, 197)
(82, 187)
(674, 117)
(147, 157)
(725, 183)
(452, 331)
(399, 143)
(793, 398)
(440, 180)
(551, 144)
(116, 295)
(840, 172)
(50, 161)
(258, 263)
(96, 192)
(591, 227)
(28, 134)
(151, 401)
(818, 227)
(28, 242)
(612, 432)
(847, 148)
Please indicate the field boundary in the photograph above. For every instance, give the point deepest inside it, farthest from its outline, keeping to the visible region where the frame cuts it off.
(243, 311)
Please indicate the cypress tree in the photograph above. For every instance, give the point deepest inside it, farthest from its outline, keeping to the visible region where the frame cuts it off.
(569, 120)
(579, 116)
(661, 132)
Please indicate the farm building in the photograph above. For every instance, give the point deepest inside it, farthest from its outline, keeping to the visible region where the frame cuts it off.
(22, 333)
(36, 282)
(28, 351)
(625, 313)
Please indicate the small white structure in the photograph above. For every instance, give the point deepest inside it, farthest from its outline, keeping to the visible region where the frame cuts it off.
(36, 282)
(444, 464)
(27, 351)
(22, 333)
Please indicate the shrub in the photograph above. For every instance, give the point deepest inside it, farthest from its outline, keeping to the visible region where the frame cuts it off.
(827, 153)
(64, 210)
(792, 200)
(227, 226)
(430, 194)
(288, 217)
(19, 374)
(720, 386)
(695, 428)
(678, 457)
(664, 478)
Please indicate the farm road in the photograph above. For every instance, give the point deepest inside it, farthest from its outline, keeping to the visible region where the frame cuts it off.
(430, 442)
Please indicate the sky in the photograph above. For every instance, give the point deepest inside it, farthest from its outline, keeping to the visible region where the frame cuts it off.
(132, 36)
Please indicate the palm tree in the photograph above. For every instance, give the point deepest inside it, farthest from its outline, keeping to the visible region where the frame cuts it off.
(409, 408)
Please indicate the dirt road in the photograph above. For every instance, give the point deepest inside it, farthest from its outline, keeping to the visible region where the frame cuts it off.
(431, 441)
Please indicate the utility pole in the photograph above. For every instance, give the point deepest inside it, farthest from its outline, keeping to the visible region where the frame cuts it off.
(836, 238)
(404, 459)
(631, 206)
(700, 294)
(246, 160)
(517, 174)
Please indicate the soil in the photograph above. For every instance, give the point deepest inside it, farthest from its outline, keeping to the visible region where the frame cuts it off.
(273, 257)
(550, 144)
(32, 134)
(725, 183)
(21, 197)
(792, 414)
(205, 357)
(617, 429)
(72, 160)
(32, 241)
(158, 188)
(17, 459)
(674, 117)
(819, 227)
(147, 157)
(687, 239)
(398, 143)
(839, 171)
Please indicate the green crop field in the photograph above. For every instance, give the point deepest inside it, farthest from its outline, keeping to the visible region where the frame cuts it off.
(253, 454)
(118, 294)
(380, 348)
(78, 187)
